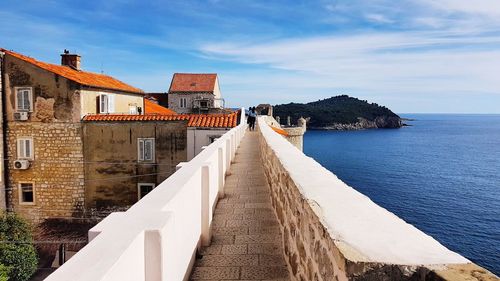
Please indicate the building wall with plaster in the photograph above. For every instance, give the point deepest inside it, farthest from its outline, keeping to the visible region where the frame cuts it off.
(113, 169)
(199, 137)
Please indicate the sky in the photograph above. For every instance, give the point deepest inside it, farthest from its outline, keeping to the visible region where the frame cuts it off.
(413, 56)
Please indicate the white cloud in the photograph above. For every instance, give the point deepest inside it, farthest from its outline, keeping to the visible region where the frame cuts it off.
(397, 64)
(378, 18)
(489, 8)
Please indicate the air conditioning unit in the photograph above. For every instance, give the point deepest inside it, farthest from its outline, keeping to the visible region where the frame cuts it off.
(21, 116)
(21, 164)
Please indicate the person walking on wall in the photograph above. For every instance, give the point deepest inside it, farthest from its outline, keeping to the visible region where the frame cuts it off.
(253, 117)
(249, 117)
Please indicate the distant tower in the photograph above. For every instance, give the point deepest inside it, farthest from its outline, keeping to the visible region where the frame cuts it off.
(301, 123)
(278, 120)
(296, 134)
(288, 121)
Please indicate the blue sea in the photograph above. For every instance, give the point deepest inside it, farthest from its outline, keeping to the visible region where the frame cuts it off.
(441, 174)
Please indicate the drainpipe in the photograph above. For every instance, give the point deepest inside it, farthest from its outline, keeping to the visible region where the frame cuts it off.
(4, 175)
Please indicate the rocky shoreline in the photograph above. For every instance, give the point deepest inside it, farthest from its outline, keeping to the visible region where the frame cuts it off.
(380, 122)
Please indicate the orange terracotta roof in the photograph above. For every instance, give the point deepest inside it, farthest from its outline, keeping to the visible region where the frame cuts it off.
(153, 108)
(280, 131)
(194, 120)
(214, 120)
(190, 82)
(82, 77)
(134, 117)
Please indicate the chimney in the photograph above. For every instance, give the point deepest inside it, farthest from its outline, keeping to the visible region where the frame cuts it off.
(71, 60)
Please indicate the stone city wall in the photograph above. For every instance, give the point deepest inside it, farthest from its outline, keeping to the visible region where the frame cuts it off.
(312, 250)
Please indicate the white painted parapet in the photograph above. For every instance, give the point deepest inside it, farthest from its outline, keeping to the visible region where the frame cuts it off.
(333, 232)
(157, 238)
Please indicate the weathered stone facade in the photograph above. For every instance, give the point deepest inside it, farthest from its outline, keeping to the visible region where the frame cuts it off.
(174, 102)
(56, 166)
(3, 204)
(313, 254)
(113, 170)
(56, 170)
(195, 93)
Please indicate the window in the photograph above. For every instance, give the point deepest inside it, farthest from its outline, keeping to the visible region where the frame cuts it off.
(132, 109)
(183, 102)
(26, 193)
(204, 104)
(146, 149)
(211, 139)
(143, 189)
(106, 103)
(24, 99)
(25, 148)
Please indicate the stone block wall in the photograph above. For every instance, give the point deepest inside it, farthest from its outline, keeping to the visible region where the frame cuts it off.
(313, 254)
(113, 170)
(174, 101)
(56, 171)
(2, 162)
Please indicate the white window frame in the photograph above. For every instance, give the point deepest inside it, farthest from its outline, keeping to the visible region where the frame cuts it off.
(16, 91)
(21, 148)
(183, 102)
(20, 193)
(141, 154)
(132, 108)
(141, 184)
(106, 103)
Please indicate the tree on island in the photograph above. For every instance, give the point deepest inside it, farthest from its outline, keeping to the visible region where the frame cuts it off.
(335, 110)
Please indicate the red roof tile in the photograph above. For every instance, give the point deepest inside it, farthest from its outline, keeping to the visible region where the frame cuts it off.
(190, 82)
(81, 77)
(194, 120)
(280, 131)
(153, 108)
(134, 117)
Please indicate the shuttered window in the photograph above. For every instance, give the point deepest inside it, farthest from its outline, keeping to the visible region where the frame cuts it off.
(183, 102)
(25, 148)
(146, 149)
(106, 103)
(24, 99)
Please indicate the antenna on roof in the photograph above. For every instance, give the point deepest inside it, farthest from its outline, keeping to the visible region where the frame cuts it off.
(102, 68)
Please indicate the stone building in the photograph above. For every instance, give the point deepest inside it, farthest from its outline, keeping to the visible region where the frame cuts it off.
(3, 205)
(195, 93)
(44, 104)
(129, 155)
(128, 158)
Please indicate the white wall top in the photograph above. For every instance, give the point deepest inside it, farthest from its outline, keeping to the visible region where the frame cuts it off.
(362, 229)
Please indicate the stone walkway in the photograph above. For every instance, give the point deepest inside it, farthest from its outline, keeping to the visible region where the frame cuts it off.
(246, 241)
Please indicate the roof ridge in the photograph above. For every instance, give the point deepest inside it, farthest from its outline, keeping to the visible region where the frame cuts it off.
(76, 75)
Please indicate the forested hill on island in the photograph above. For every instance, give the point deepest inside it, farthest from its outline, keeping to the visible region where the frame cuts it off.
(340, 113)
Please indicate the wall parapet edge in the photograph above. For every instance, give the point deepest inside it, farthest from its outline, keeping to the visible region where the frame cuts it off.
(157, 238)
(333, 232)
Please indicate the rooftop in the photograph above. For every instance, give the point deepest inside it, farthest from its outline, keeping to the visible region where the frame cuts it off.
(194, 120)
(193, 82)
(81, 77)
(154, 108)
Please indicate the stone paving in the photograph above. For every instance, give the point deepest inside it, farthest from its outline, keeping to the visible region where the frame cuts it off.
(246, 239)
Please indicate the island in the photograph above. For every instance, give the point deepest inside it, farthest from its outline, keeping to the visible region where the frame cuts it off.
(340, 113)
